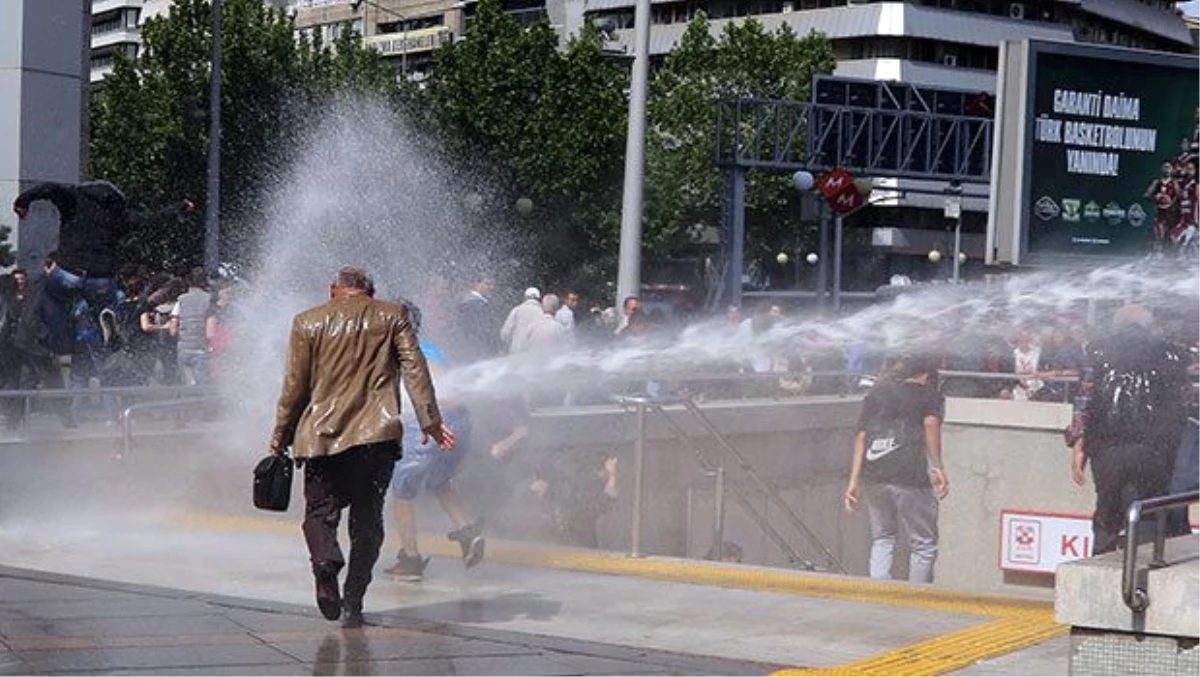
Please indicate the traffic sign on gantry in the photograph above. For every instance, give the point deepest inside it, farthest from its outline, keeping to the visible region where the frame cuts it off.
(866, 128)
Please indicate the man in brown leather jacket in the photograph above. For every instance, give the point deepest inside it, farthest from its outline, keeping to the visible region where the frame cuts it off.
(340, 413)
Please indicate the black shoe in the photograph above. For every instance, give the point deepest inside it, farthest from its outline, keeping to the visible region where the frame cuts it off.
(471, 541)
(352, 616)
(408, 568)
(475, 551)
(329, 597)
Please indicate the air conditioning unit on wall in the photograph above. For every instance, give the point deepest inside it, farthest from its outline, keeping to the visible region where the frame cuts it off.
(1016, 10)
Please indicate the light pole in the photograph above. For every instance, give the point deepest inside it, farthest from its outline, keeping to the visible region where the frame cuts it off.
(212, 201)
(804, 183)
(629, 263)
(354, 6)
(953, 210)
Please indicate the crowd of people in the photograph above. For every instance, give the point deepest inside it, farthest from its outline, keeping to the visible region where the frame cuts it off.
(86, 319)
(152, 328)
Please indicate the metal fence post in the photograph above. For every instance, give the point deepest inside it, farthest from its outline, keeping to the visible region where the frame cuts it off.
(719, 513)
(639, 484)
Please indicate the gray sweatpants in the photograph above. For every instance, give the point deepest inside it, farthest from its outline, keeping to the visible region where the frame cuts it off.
(890, 506)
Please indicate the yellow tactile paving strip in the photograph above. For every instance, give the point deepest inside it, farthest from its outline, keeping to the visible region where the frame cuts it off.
(949, 652)
(1014, 624)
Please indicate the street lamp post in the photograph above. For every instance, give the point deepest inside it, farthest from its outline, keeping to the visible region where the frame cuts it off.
(823, 254)
(953, 209)
(837, 263)
(629, 263)
(212, 201)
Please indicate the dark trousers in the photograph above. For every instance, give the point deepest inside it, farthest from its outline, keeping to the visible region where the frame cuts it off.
(1124, 474)
(357, 478)
(1184, 477)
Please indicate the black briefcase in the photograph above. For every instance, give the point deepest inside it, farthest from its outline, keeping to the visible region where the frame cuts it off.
(273, 483)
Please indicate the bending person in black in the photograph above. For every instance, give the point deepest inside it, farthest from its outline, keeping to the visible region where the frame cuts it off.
(94, 217)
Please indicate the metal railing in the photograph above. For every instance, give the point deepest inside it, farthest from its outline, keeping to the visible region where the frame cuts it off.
(1137, 598)
(119, 394)
(127, 415)
(702, 385)
(640, 405)
(1067, 381)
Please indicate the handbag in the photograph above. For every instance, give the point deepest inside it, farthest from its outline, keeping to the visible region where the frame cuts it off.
(273, 483)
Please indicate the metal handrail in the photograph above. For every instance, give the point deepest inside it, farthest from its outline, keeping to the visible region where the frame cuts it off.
(993, 375)
(126, 417)
(1136, 597)
(141, 391)
(641, 404)
(120, 393)
(719, 491)
(999, 376)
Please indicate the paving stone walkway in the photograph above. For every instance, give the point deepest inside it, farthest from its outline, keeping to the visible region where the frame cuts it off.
(55, 624)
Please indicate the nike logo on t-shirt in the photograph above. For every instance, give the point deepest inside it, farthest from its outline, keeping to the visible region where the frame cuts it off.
(881, 447)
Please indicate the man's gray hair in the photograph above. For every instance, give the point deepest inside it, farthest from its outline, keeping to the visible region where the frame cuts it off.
(354, 278)
(550, 304)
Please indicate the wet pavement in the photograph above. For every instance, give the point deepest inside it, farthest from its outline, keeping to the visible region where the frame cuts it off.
(154, 563)
(56, 624)
(223, 594)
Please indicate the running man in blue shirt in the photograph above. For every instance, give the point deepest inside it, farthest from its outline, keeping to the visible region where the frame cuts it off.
(425, 468)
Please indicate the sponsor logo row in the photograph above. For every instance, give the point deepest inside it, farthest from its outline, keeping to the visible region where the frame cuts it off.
(1075, 210)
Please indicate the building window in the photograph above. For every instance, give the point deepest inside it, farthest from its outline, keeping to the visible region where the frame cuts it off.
(107, 26)
(941, 52)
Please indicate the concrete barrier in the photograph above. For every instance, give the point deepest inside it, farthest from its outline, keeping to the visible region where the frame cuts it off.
(1000, 455)
(1108, 638)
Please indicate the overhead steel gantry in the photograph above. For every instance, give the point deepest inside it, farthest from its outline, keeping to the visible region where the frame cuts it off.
(789, 136)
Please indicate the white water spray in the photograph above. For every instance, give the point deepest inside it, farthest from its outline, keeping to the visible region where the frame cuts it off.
(365, 192)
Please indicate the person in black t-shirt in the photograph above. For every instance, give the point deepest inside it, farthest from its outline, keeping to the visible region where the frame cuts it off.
(897, 467)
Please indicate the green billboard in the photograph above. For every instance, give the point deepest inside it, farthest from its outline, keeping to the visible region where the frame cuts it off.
(1111, 152)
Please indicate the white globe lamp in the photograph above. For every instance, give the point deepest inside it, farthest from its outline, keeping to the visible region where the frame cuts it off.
(803, 181)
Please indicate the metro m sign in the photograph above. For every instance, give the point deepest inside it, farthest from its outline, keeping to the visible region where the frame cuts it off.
(839, 191)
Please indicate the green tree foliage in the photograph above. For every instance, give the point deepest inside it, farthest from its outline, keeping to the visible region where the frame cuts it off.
(149, 121)
(539, 122)
(683, 184)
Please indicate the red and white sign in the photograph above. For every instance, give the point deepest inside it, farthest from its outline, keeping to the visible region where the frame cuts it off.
(1038, 542)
